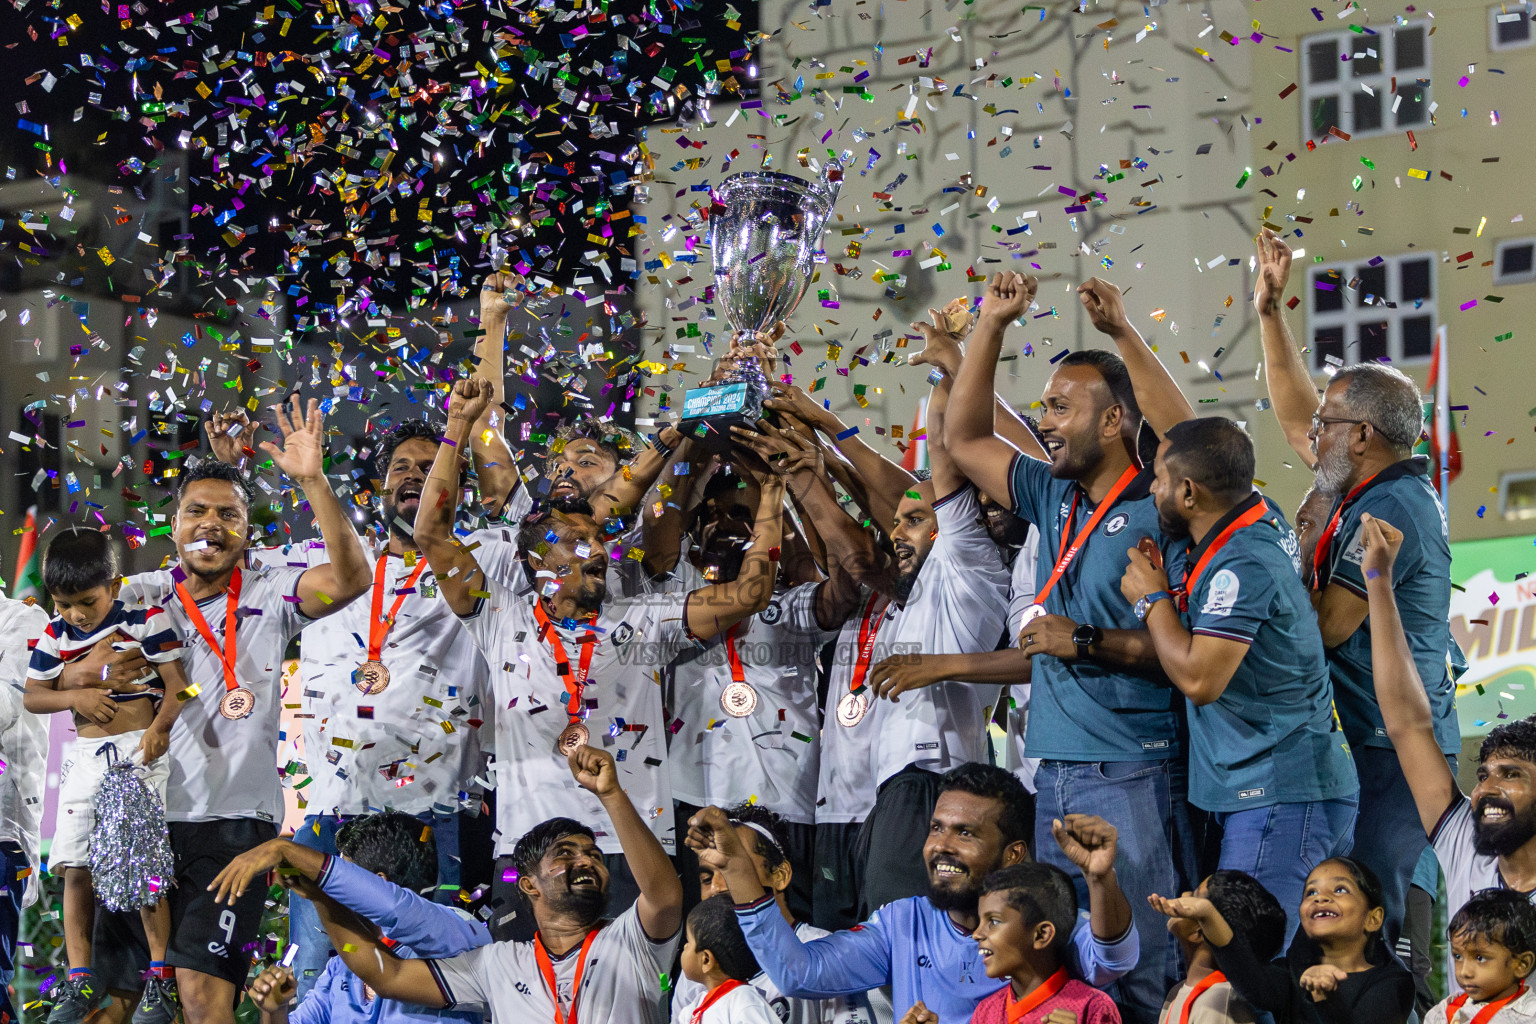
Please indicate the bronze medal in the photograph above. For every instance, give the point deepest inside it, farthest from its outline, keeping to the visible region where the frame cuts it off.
(237, 703)
(852, 709)
(371, 677)
(738, 700)
(572, 736)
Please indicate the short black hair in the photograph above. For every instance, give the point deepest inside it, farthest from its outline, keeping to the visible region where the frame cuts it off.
(535, 843)
(212, 469)
(1017, 821)
(619, 444)
(406, 430)
(1514, 739)
(1370, 890)
(714, 927)
(1501, 916)
(396, 845)
(1250, 909)
(1116, 377)
(78, 560)
(537, 524)
(1214, 452)
(756, 814)
(1041, 892)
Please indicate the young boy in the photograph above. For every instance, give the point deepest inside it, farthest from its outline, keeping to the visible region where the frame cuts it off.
(717, 957)
(1027, 915)
(1493, 945)
(1205, 996)
(112, 722)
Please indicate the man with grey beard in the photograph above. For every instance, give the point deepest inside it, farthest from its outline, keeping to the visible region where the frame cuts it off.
(1360, 439)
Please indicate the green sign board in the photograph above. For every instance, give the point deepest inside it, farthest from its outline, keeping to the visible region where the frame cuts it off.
(1493, 617)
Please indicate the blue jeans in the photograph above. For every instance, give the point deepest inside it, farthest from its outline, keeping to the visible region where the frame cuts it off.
(13, 862)
(1281, 844)
(1389, 837)
(1145, 801)
(304, 923)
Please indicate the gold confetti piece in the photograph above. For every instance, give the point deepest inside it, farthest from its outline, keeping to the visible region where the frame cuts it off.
(189, 692)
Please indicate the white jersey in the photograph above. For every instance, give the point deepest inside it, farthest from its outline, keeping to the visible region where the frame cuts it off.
(495, 548)
(850, 1009)
(743, 1004)
(620, 983)
(221, 767)
(416, 745)
(957, 607)
(636, 637)
(770, 755)
(23, 738)
(1021, 594)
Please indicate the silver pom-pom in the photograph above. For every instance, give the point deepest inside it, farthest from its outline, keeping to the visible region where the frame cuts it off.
(131, 862)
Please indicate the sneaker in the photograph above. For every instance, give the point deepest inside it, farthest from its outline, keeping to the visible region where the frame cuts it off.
(74, 999)
(158, 1004)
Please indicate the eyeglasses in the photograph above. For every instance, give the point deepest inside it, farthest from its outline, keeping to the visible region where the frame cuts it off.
(1319, 422)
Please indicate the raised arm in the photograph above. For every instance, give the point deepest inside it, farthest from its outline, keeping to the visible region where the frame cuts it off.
(229, 437)
(662, 531)
(661, 893)
(1405, 709)
(712, 610)
(1291, 392)
(357, 943)
(327, 588)
(494, 464)
(458, 573)
(632, 482)
(970, 432)
(1162, 403)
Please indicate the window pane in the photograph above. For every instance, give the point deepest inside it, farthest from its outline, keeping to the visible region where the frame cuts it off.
(1516, 259)
(1327, 341)
(1517, 30)
(1325, 114)
(1322, 62)
(1367, 112)
(1373, 284)
(1414, 279)
(1373, 341)
(1327, 293)
(1414, 108)
(1410, 48)
(1362, 62)
(1418, 337)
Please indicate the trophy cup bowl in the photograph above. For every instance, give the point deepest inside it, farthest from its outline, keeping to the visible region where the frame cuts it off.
(765, 235)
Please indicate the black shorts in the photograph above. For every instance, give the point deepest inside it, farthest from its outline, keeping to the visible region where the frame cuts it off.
(215, 938)
(119, 950)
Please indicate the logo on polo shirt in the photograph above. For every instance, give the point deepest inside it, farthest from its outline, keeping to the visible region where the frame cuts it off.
(623, 635)
(1223, 594)
(1248, 794)
(1115, 523)
(772, 613)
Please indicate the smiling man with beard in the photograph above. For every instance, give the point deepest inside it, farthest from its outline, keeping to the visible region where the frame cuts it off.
(368, 673)
(1485, 839)
(921, 946)
(569, 664)
(576, 965)
(1359, 438)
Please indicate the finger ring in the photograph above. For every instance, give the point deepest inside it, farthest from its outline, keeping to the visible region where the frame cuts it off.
(1028, 640)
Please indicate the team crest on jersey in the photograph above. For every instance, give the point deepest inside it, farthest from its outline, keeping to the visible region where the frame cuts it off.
(1115, 523)
(1222, 597)
(623, 634)
(772, 613)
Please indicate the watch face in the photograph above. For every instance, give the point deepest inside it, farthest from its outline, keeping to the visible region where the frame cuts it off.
(1085, 635)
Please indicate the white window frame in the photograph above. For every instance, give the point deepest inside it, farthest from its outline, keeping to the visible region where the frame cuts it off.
(1493, 26)
(1354, 315)
(1498, 261)
(1513, 477)
(1347, 87)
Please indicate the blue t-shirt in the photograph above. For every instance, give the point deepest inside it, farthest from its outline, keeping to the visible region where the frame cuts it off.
(1270, 738)
(1421, 581)
(1081, 710)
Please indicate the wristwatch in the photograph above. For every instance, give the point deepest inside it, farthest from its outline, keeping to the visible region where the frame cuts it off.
(1085, 636)
(1144, 606)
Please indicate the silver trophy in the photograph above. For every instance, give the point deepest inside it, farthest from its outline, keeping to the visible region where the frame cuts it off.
(765, 233)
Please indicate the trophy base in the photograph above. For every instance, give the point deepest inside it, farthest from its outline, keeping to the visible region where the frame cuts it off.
(719, 407)
(716, 437)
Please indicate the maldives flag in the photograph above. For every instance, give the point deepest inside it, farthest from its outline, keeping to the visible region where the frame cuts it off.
(1443, 447)
(29, 562)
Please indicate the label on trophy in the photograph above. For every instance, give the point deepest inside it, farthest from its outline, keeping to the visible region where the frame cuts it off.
(716, 400)
(738, 700)
(371, 677)
(237, 703)
(572, 736)
(852, 709)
